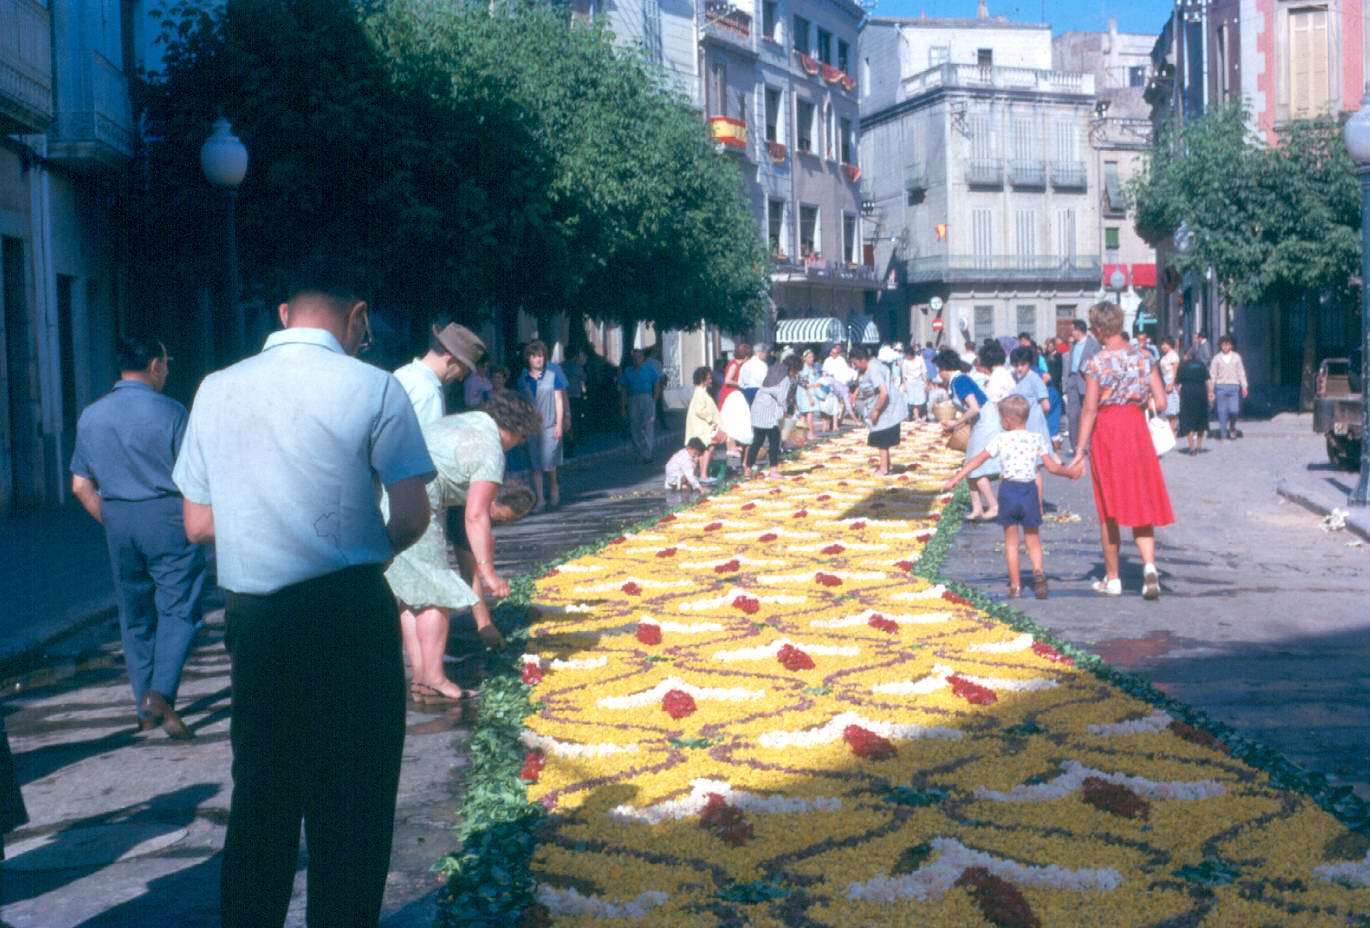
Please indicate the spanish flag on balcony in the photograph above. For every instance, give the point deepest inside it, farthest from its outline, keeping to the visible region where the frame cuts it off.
(729, 131)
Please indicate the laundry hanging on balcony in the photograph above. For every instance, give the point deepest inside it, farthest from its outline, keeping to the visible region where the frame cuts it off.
(821, 330)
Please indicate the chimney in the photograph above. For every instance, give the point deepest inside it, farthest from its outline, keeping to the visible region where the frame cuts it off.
(982, 10)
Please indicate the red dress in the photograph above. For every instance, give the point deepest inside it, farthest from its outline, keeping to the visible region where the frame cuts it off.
(1129, 488)
(730, 372)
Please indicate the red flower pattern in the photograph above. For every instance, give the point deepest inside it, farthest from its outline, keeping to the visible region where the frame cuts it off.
(833, 549)
(791, 658)
(631, 588)
(678, 704)
(883, 624)
(728, 567)
(973, 693)
(532, 766)
(724, 822)
(1044, 650)
(649, 633)
(532, 674)
(866, 744)
(827, 579)
(767, 538)
(747, 604)
(713, 526)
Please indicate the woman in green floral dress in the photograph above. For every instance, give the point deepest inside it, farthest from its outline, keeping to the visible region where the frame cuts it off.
(468, 453)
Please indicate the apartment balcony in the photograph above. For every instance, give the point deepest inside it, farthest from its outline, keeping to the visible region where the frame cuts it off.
(1027, 174)
(985, 172)
(730, 26)
(815, 269)
(1069, 175)
(971, 76)
(25, 67)
(94, 125)
(916, 177)
(1076, 269)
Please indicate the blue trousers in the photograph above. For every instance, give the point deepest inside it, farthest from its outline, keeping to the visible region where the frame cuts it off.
(159, 578)
(1228, 398)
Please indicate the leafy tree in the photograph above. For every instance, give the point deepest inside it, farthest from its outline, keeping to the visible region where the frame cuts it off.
(1278, 224)
(475, 164)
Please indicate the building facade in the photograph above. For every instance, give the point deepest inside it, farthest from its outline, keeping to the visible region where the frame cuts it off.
(65, 128)
(1119, 142)
(984, 191)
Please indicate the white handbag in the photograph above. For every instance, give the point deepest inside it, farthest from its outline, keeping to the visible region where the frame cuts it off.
(1162, 435)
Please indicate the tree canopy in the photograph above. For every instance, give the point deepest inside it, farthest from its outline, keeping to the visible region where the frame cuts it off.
(1272, 221)
(475, 163)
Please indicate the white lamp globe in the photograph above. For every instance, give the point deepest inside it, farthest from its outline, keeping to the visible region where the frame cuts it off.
(223, 157)
(1356, 132)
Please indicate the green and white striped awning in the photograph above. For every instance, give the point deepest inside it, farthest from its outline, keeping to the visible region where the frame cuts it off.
(862, 330)
(808, 331)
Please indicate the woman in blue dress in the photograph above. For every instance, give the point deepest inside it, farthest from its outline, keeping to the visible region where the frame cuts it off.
(805, 402)
(975, 406)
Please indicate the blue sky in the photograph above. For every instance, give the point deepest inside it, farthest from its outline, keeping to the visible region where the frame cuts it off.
(1145, 16)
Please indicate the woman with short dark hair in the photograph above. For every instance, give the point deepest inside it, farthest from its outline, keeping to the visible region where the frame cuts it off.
(1129, 488)
(974, 405)
(545, 386)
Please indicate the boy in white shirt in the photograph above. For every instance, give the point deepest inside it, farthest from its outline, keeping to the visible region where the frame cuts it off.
(682, 468)
(1020, 453)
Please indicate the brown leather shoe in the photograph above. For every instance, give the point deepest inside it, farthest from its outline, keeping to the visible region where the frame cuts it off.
(159, 710)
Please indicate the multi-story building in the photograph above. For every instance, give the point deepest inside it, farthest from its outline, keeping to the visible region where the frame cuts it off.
(984, 191)
(1119, 141)
(1285, 62)
(65, 126)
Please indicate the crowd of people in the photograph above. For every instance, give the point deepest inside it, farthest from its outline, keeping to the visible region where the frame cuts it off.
(330, 592)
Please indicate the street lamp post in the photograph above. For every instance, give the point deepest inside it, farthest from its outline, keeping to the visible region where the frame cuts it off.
(1357, 136)
(223, 158)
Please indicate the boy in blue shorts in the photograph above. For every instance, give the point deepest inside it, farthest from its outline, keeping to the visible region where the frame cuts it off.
(1020, 453)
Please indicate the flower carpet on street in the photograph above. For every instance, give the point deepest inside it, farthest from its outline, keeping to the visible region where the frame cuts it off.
(764, 710)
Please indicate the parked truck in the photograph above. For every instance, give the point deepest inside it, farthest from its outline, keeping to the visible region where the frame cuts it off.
(1339, 409)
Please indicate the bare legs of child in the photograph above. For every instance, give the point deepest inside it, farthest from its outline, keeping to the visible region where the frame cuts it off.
(1032, 538)
(981, 489)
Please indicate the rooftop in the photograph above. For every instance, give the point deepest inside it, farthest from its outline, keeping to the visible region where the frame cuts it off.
(927, 22)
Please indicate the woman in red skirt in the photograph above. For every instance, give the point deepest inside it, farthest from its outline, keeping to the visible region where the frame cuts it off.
(1128, 486)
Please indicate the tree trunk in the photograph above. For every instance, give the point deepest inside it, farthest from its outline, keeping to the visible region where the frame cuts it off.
(509, 335)
(1308, 370)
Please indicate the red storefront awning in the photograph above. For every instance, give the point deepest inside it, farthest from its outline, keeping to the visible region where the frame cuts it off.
(1143, 275)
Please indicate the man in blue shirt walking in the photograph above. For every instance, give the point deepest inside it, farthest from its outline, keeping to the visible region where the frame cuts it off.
(126, 446)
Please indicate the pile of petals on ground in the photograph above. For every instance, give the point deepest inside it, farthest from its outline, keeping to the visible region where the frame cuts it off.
(754, 713)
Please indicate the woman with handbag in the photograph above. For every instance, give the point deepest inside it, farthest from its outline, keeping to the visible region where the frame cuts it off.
(978, 413)
(1129, 488)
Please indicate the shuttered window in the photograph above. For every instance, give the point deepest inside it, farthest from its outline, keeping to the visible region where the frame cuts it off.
(1065, 233)
(1025, 146)
(1026, 227)
(1067, 140)
(982, 235)
(984, 323)
(1308, 68)
(981, 137)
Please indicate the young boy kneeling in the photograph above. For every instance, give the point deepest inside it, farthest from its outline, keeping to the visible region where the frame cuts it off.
(681, 469)
(1020, 452)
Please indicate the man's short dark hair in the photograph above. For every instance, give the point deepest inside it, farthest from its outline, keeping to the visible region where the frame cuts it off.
(512, 413)
(696, 445)
(859, 353)
(1081, 326)
(1022, 355)
(340, 282)
(1227, 340)
(1023, 335)
(136, 352)
(701, 375)
(948, 360)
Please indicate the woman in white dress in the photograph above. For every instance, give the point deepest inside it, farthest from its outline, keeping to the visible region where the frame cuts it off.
(915, 371)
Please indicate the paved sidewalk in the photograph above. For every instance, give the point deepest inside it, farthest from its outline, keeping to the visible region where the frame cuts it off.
(126, 828)
(1264, 621)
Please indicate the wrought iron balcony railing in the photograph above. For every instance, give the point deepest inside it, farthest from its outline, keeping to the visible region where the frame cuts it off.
(25, 66)
(985, 172)
(1072, 268)
(1027, 173)
(1069, 175)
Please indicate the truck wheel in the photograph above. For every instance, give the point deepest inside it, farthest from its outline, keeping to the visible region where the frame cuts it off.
(1343, 453)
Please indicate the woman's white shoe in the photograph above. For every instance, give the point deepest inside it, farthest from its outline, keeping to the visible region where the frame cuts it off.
(1113, 587)
(1151, 582)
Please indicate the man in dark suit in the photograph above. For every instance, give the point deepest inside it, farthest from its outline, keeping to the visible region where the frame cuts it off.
(1083, 347)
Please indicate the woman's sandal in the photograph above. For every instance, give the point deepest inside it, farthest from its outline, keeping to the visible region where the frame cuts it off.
(1014, 591)
(425, 695)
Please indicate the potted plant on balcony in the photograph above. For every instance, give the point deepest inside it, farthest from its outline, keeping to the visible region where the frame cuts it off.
(831, 75)
(810, 65)
(778, 152)
(853, 172)
(848, 83)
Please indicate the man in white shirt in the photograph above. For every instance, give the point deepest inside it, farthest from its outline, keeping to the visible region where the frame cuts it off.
(842, 374)
(453, 352)
(753, 373)
(281, 466)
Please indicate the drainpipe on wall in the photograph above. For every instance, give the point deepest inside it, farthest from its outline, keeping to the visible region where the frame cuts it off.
(46, 329)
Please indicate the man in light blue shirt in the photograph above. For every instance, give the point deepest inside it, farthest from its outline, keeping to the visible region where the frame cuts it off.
(281, 466)
(1083, 347)
(639, 385)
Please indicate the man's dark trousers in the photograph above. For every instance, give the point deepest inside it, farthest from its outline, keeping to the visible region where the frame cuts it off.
(317, 733)
(159, 578)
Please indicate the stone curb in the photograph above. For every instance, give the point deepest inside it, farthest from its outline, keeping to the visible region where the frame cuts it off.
(1320, 503)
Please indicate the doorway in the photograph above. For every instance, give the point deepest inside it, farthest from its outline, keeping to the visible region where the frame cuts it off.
(21, 445)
